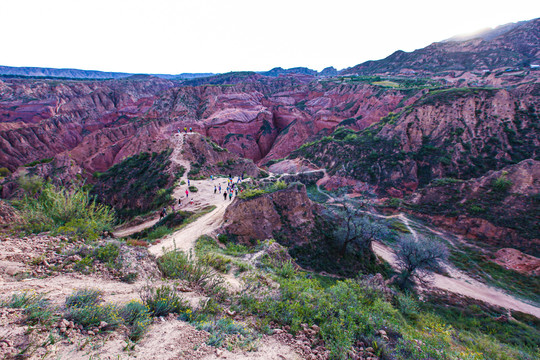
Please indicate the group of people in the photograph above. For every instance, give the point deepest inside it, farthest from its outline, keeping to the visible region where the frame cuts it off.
(232, 189)
(185, 130)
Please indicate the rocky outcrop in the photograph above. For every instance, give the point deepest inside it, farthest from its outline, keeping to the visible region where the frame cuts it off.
(8, 215)
(500, 208)
(284, 212)
(207, 158)
(459, 133)
(517, 46)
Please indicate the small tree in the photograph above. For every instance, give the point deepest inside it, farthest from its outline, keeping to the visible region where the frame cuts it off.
(416, 257)
(353, 226)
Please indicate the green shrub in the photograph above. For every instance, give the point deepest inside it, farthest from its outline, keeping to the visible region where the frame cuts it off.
(36, 162)
(179, 265)
(79, 229)
(4, 172)
(193, 189)
(218, 262)
(393, 202)
(220, 330)
(205, 244)
(408, 305)
(107, 253)
(162, 300)
(502, 184)
(46, 208)
(84, 297)
(286, 270)
(129, 278)
(251, 193)
(92, 315)
(234, 249)
(85, 265)
(165, 226)
(37, 308)
(158, 233)
(279, 185)
(84, 308)
(137, 318)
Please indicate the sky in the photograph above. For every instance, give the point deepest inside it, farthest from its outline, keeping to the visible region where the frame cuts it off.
(177, 36)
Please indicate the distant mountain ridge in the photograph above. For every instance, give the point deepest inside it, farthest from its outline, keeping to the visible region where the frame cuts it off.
(86, 74)
(511, 45)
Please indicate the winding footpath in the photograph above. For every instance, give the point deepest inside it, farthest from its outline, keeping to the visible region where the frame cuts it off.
(458, 283)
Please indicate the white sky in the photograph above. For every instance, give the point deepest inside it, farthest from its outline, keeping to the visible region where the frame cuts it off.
(176, 36)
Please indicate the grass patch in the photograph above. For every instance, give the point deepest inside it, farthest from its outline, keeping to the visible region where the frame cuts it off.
(137, 185)
(162, 300)
(137, 318)
(315, 195)
(37, 308)
(179, 265)
(84, 308)
(45, 207)
(477, 264)
(254, 192)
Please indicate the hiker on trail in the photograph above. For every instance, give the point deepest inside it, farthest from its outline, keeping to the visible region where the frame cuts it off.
(188, 182)
(215, 189)
(163, 213)
(190, 129)
(242, 176)
(185, 130)
(236, 192)
(230, 195)
(172, 208)
(179, 201)
(224, 195)
(220, 188)
(187, 193)
(212, 177)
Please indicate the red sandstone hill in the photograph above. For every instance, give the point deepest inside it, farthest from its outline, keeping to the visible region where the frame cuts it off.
(514, 46)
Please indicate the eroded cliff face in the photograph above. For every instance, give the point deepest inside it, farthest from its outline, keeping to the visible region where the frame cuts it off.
(457, 133)
(285, 212)
(101, 122)
(500, 207)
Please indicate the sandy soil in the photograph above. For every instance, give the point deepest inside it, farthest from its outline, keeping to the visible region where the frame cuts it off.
(460, 283)
(134, 229)
(167, 338)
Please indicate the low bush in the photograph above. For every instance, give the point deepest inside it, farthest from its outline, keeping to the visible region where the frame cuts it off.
(92, 316)
(84, 297)
(165, 226)
(162, 300)
(252, 193)
(83, 307)
(137, 318)
(179, 265)
(218, 262)
(45, 207)
(37, 308)
(286, 270)
(502, 184)
(221, 329)
(193, 189)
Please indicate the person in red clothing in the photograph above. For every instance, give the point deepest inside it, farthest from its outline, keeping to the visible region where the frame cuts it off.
(187, 193)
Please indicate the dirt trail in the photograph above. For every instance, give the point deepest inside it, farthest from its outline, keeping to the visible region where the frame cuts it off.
(458, 282)
(185, 239)
(135, 229)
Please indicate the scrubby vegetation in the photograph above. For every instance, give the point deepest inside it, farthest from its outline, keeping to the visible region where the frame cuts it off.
(138, 185)
(256, 191)
(46, 207)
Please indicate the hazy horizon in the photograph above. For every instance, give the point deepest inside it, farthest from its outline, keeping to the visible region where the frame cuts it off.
(174, 37)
